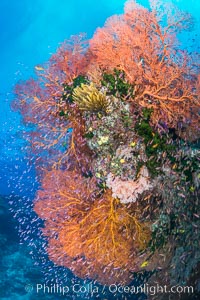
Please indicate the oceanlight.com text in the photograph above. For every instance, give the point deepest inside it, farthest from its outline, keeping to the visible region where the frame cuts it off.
(93, 289)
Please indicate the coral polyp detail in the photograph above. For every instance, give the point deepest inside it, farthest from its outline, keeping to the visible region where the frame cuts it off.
(119, 123)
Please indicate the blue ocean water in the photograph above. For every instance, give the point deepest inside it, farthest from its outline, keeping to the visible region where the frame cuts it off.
(30, 31)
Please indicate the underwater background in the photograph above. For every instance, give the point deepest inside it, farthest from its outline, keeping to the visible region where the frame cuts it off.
(30, 31)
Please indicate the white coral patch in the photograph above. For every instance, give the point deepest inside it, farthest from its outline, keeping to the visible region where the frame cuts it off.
(129, 190)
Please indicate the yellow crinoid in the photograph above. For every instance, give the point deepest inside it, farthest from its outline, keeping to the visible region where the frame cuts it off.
(89, 98)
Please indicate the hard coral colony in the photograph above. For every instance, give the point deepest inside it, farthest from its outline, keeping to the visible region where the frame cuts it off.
(116, 121)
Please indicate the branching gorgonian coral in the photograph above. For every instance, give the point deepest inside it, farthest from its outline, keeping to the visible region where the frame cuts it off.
(95, 236)
(116, 121)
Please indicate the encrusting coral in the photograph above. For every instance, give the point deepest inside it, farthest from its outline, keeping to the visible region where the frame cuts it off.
(129, 190)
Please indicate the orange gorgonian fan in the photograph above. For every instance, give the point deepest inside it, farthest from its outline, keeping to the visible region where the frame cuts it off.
(93, 235)
(146, 50)
(138, 42)
(118, 94)
(40, 102)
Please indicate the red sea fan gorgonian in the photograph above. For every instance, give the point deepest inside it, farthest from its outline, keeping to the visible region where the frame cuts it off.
(102, 113)
(95, 236)
(165, 76)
